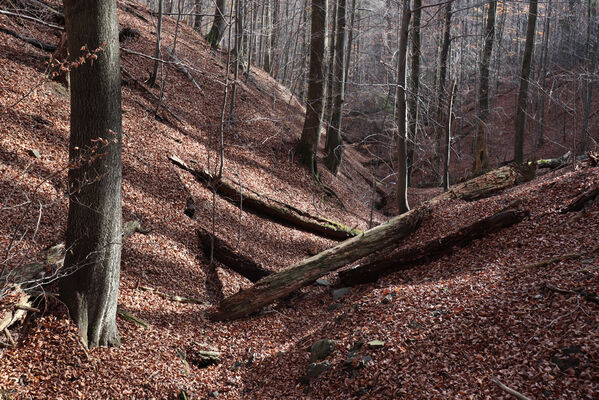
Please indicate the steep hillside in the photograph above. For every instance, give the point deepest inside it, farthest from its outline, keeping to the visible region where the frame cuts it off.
(448, 326)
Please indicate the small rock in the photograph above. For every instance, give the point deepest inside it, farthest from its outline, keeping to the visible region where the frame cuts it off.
(204, 358)
(339, 293)
(323, 282)
(321, 349)
(376, 344)
(35, 153)
(315, 369)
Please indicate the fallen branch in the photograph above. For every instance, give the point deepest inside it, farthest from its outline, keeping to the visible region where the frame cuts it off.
(50, 48)
(509, 390)
(592, 297)
(430, 250)
(175, 298)
(571, 256)
(555, 163)
(181, 67)
(285, 282)
(277, 210)
(130, 317)
(29, 18)
(224, 253)
(584, 200)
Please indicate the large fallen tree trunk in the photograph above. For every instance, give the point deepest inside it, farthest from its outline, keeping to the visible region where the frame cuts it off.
(277, 210)
(430, 250)
(224, 253)
(285, 282)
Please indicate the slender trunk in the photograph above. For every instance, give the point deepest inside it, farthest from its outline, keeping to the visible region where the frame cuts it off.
(414, 86)
(153, 77)
(350, 40)
(93, 235)
(402, 159)
(448, 137)
(524, 81)
(443, 58)
(482, 153)
(197, 22)
(334, 146)
(591, 61)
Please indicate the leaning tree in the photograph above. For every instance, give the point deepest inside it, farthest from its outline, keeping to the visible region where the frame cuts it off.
(93, 235)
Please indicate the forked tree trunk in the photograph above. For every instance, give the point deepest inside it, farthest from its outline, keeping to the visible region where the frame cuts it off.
(93, 235)
(524, 82)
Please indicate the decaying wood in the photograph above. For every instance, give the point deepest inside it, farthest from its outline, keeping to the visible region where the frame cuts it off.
(50, 48)
(181, 67)
(171, 297)
(582, 201)
(285, 282)
(12, 313)
(555, 163)
(130, 317)
(430, 250)
(277, 210)
(224, 253)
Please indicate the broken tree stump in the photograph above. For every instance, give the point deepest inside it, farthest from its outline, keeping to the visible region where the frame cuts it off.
(228, 256)
(274, 209)
(432, 249)
(285, 282)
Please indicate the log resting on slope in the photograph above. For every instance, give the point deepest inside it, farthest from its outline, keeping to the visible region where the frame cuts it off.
(285, 282)
(275, 209)
(430, 250)
(238, 262)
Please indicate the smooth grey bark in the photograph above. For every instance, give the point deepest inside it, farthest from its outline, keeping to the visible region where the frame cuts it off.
(402, 115)
(153, 77)
(591, 61)
(481, 161)
(524, 82)
(308, 144)
(218, 26)
(334, 145)
(93, 235)
(414, 85)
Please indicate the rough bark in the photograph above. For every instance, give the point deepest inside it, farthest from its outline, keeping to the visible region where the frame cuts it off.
(218, 26)
(430, 250)
(334, 148)
(228, 256)
(481, 162)
(93, 234)
(520, 120)
(277, 210)
(307, 147)
(285, 282)
(402, 114)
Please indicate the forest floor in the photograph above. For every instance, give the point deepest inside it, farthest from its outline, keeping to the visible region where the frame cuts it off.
(449, 326)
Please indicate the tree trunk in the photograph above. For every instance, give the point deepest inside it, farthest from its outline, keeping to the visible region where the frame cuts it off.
(285, 282)
(430, 250)
(157, 55)
(218, 26)
(481, 162)
(524, 82)
(414, 86)
(334, 145)
(402, 116)
(447, 146)
(93, 234)
(308, 144)
(197, 22)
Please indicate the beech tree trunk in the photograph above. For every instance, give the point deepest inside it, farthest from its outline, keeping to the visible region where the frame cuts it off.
(157, 55)
(414, 85)
(218, 26)
(93, 235)
(308, 144)
(524, 82)
(334, 145)
(402, 115)
(432, 249)
(482, 153)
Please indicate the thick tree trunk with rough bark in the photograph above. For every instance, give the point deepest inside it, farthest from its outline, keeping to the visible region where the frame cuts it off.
(481, 162)
(524, 82)
(430, 250)
(218, 26)
(307, 147)
(93, 235)
(334, 145)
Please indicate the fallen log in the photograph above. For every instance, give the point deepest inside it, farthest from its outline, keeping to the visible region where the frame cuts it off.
(430, 250)
(285, 282)
(555, 163)
(275, 209)
(50, 48)
(224, 253)
(582, 201)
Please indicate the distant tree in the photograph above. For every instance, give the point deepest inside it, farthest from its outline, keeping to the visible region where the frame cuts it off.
(414, 85)
(93, 235)
(334, 144)
(154, 76)
(197, 22)
(402, 114)
(218, 26)
(524, 82)
(481, 161)
(308, 144)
